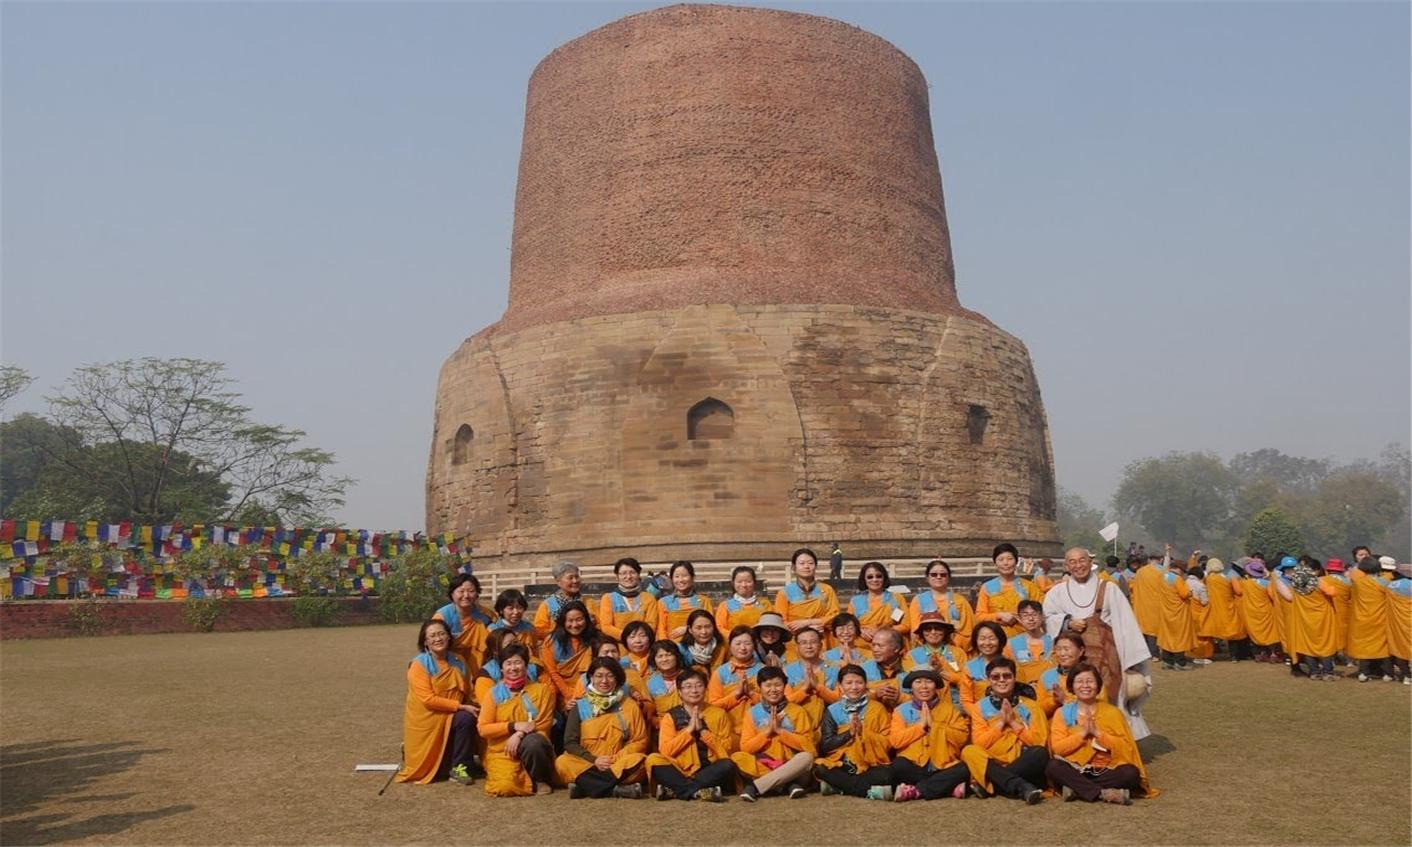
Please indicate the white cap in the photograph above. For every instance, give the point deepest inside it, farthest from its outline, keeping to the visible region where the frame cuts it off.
(1387, 563)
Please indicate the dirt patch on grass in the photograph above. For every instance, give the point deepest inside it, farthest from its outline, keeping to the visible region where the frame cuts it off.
(252, 737)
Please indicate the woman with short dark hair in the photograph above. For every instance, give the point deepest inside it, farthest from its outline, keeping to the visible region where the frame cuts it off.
(1095, 756)
(438, 716)
(605, 738)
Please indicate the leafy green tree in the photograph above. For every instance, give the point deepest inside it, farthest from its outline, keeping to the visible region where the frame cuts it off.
(161, 439)
(1186, 499)
(13, 380)
(1079, 522)
(1272, 531)
(1284, 472)
(1349, 508)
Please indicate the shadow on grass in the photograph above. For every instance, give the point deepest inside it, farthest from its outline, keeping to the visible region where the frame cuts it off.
(38, 774)
(1154, 747)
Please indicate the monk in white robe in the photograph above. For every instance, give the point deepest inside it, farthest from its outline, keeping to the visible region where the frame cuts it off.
(1070, 603)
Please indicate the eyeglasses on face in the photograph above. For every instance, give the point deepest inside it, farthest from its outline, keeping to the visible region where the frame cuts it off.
(1001, 676)
(939, 575)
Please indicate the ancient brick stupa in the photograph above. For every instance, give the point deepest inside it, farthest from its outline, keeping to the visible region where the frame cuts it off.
(733, 325)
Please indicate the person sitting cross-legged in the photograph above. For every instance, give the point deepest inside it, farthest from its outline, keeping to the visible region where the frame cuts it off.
(1007, 753)
(853, 740)
(776, 741)
(605, 738)
(1095, 757)
(928, 732)
(694, 745)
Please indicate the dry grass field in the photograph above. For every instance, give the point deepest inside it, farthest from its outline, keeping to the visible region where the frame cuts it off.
(251, 738)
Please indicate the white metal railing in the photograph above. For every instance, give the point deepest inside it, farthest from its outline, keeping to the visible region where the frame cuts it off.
(775, 572)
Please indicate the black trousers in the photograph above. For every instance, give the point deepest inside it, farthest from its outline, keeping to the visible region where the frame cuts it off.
(1240, 649)
(596, 783)
(855, 784)
(537, 756)
(1087, 786)
(932, 784)
(1372, 667)
(461, 745)
(719, 774)
(1171, 658)
(1024, 774)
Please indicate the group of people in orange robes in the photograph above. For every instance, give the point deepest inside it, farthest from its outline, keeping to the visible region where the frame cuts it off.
(1312, 614)
(684, 697)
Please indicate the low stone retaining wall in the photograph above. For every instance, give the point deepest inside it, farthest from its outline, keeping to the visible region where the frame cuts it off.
(69, 618)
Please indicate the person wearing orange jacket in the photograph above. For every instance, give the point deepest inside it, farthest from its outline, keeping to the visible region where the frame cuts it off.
(1008, 752)
(439, 716)
(516, 717)
(777, 744)
(1095, 756)
(928, 733)
(999, 598)
(854, 746)
(628, 602)
(605, 738)
(694, 745)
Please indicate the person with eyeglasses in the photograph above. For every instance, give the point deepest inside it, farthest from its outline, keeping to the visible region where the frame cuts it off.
(951, 605)
(439, 716)
(1095, 757)
(875, 606)
(1008, 752)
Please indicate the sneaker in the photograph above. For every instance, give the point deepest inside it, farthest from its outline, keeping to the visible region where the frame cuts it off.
(665, 793)
(880, 792)
(1362, 677)
(462, 774)
(1407, 680)
(1202, 661)
(1387, 678)
(628, 792)
(750, 794)
(1033, 796)
(906, 792)
(576, 793)
(542, 789)
(1067, 793)
(827, 790)
(711, 795)
(1116, 795)
(797, 792)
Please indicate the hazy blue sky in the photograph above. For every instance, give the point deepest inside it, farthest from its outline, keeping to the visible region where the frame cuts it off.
(1196, 215)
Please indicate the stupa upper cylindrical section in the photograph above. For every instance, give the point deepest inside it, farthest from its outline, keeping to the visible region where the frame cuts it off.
(712, 154)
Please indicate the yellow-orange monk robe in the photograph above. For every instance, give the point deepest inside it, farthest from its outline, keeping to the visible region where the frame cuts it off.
(1175, 630)
(1147, 594)
(500, 709)
(1399, 619)
(951, 605)
(1368, 617)
(435, 691)
(468, 636)
(619, 732)
(673, 611)
(794, 735)
(868, 749)
(678, 748)
(1284, 615)
(1342, 597)
(940, 745)
(728, 682)
(1112, 747)
(879, 611)
(1314, 623)
(1222, 618)
(616, 610)
(794, 603)
(996, 596)
(1257, 610)
(733, 612)
(563, 663)
(990, 741)
(1202, 647)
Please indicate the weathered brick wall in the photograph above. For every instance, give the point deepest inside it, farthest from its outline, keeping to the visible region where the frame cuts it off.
(54, 618)
(850, 425)
(738, 206)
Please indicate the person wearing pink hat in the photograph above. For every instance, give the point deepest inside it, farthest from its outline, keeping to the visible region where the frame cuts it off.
(1336, 579)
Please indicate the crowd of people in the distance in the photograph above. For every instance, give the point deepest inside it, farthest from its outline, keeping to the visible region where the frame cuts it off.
(1316, 616)
(1035, 688)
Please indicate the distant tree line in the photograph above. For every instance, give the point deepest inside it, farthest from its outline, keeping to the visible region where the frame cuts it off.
(155, 441)
(1263, 500)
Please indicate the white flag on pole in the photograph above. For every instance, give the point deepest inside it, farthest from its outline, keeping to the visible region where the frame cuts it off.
(1109, 532)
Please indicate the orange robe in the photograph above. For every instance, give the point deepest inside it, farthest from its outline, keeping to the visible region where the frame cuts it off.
(500, 708)
(620, 733)
(952, 605)
(1257, 610)
(616, 611)
(562, 666)
(795, 604)
(1368, 618)
(1399, 618)
(795, 735)
(672, 612)
(1176, 632)
(939, 746)
(879, 611)
(1314, 622)
(995, 596)
(731, 613)
(1223, 620)
(548, 613)
(467, 636)
(677, 748)
(990, 742)
(435, 691)
(1147, 591)
(1112, 747)
(1342, 597)
(723, 690)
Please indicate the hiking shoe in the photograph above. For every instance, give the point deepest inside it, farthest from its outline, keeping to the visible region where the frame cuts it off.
(711, 795)
(1116, 795)
(1067, 793)
(827, 790)
(576, 793)
(797, 791)
(462, 774)
(750, 794)
(1033, 796)
(628, 792)
(880, 792)
(665, 793)
(905, 792)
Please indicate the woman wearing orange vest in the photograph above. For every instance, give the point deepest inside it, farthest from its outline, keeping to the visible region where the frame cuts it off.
(1095, 757)
(438, 718)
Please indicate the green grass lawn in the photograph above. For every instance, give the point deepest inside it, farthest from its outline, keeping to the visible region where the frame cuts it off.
(252, 737)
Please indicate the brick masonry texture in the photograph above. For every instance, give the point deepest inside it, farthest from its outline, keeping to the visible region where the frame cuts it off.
(740, 207)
